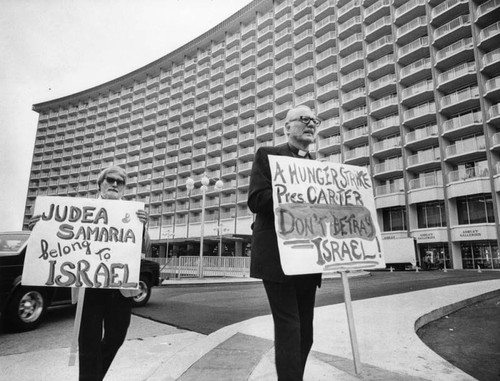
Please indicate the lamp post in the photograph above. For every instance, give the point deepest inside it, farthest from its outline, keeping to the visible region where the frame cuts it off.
(220, 229)
(205, 181)
(169, 234)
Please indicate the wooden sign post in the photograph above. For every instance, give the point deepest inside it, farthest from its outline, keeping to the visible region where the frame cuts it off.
(326, 221)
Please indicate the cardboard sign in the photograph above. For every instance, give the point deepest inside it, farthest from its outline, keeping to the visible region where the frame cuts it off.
(325, 216)
(80, 242)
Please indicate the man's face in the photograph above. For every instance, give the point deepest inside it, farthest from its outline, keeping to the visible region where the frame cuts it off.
(112, 187)
(302, 130)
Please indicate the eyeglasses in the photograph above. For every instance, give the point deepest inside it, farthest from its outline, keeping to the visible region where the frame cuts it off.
(307, 120)
(111, 181)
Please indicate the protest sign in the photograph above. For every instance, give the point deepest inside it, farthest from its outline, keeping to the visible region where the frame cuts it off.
(325, 216)
(80, 242)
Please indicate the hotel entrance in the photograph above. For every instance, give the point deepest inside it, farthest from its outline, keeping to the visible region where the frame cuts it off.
(434, 256)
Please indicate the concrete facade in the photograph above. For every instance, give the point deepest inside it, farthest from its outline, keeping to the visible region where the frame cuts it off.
(409, 89)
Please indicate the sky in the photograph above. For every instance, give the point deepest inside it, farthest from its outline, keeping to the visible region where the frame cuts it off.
(53, 48)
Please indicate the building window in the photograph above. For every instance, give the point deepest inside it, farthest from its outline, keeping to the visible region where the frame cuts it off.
(431, 215)
(394, 219)
(480, 254)
(475, 209)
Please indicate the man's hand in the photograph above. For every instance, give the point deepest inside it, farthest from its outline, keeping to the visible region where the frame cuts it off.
(143, 216)
(33, 220)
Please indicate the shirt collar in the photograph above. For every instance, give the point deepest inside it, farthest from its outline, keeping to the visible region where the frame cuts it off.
(298, 152)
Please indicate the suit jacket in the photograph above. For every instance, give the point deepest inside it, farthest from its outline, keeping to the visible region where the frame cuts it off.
(265, 261)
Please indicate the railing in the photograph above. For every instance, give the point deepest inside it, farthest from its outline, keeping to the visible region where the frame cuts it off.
(187, 266)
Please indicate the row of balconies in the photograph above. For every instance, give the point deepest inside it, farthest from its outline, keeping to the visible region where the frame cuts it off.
(356, 74)
(490, 31)
(456, 100)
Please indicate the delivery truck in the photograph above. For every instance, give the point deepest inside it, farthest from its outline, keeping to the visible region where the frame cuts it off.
(400, 253)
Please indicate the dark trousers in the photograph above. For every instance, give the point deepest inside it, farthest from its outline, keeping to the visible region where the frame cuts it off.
(110, 310)
(292, 307)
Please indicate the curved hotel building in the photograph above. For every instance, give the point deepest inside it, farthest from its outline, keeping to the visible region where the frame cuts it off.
(409, 89)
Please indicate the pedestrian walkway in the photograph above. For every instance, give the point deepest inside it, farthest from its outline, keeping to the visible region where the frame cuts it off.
(386, 328)
(389, 347)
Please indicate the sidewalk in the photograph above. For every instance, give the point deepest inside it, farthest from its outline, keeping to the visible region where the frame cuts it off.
(388, 345)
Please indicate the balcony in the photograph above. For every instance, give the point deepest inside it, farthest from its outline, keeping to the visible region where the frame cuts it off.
(454, 30)
(303, 54)
(326, 58)
(464, 99)
(415, 72)
(427, 187)
(351, 44)
(469, 149)
(324, 25)
(349, 10)
(379, 48)
(459, 76)
(354, 98)
(329, 127)
(489, 37)
(488, 12)
(492, 89)
(384, 106)
(421, 114)
(353, 25)
(379, 28)
(357, 156)
(382, 86)
(448, 9)
(491, 63)
(325, 41)
(424, 160)
(329, 145)
(409, 11)
(356, 136)
(352, 80)
(388, 188)
(426, 180)
(381, 67)
(418, 93)
(389, 168)
(354, 117)
(387, 147)
(468, 181)
(415, 28)
(352, 62)
(328, 109)
(422, 137)
(494, 114)
(464, 124)
(328, 91)
(328, 74)
(416, 49)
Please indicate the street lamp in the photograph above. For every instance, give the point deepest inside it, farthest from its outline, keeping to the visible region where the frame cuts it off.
(220, 229)
(169, 234)
(205, 181)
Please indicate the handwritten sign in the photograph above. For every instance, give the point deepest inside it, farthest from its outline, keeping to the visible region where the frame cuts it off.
(325, 216)
(81, 242)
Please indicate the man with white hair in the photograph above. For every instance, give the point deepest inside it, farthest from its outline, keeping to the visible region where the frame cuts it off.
(106, 312)
(291, 298)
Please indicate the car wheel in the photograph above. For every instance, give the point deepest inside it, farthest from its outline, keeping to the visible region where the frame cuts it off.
(26, 309)
(145, 293)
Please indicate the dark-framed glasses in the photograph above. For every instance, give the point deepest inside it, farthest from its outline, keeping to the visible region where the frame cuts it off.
(307, 120)
(112, 181)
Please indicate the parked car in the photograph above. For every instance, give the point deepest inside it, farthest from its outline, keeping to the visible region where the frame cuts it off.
(22, 308)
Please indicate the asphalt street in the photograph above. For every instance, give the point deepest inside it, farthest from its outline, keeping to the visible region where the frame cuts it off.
(205, 309)
(469, 339)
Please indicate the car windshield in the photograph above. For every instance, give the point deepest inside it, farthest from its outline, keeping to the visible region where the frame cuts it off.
(12, 243)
